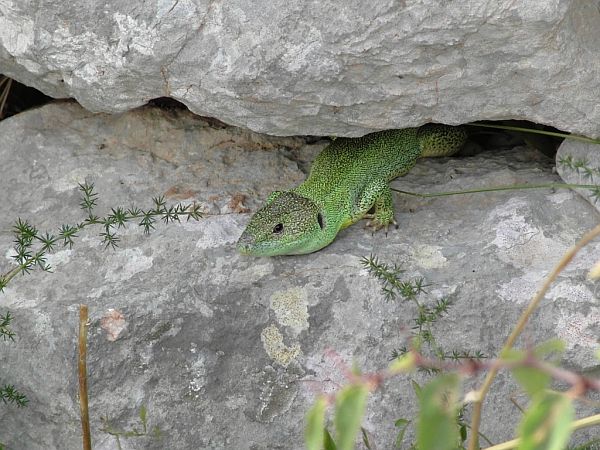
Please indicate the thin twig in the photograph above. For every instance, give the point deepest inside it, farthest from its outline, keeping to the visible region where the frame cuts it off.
(514, 402)
(576, 425)
(83, 394)
(535, 301)
(4, 96)
(513, 187)
(534, 131)
(580, 383)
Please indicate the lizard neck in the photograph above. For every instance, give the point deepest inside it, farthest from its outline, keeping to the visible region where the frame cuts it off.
(334, 214)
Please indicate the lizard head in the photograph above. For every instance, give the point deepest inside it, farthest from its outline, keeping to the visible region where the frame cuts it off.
(288, 224)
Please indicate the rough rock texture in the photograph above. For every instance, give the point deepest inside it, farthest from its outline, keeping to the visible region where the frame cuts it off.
(579, 163)
(228, 351)
(329, 67)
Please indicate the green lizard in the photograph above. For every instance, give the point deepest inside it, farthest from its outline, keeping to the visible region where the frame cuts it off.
(347, 180)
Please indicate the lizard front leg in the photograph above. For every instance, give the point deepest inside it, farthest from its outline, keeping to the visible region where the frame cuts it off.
(376, 196)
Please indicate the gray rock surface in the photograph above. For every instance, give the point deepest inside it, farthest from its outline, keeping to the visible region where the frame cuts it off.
(225, 351)
(323, 68)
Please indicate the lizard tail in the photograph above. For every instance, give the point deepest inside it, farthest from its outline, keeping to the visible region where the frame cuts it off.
(440, 140)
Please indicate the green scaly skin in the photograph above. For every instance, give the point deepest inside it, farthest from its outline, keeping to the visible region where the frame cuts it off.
(348, 179)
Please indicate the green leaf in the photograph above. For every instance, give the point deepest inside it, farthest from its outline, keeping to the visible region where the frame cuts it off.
(402, 424)
(533, 381)
(512, 355)
(314, 433)
(548, 347)
(350, 406)
(436, 426)
(418, 389)
(328, 442)
(402, 364)
(561, 432)
(546, 424)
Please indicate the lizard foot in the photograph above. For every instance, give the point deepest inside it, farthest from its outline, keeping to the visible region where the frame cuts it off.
(376, 223)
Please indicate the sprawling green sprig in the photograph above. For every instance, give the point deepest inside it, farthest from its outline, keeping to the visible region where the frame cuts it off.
(393, 286)
(9, 394)
(582, 167)
(579, 165)
(31, 246)
(5, 331)
(89, 198)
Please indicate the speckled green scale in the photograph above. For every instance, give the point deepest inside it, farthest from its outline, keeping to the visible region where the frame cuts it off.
(347, 180)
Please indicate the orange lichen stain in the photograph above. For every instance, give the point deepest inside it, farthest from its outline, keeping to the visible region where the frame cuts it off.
(236, 204)
(113, 323)
(178, 193)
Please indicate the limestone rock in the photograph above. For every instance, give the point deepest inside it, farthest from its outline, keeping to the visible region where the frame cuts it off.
(323, 68)
(228, 352)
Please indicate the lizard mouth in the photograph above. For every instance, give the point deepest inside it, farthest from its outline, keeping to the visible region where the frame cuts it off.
(245, 244)
(243, 250)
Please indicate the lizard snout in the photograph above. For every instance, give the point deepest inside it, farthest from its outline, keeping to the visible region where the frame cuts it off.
(245, 243)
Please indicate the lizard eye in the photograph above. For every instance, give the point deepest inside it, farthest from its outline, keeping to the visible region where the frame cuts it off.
(320, 220)
(278, 228)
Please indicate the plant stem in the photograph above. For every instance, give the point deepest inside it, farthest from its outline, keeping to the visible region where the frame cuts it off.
(12, 273)
(480, 434)
(535, 301)
(500, 188)
(83, 393)
(534, 131)
(4, 95)
(576, 425)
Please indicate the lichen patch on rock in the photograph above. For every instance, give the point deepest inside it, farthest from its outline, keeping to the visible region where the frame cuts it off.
(273, 344)
(291, 308)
